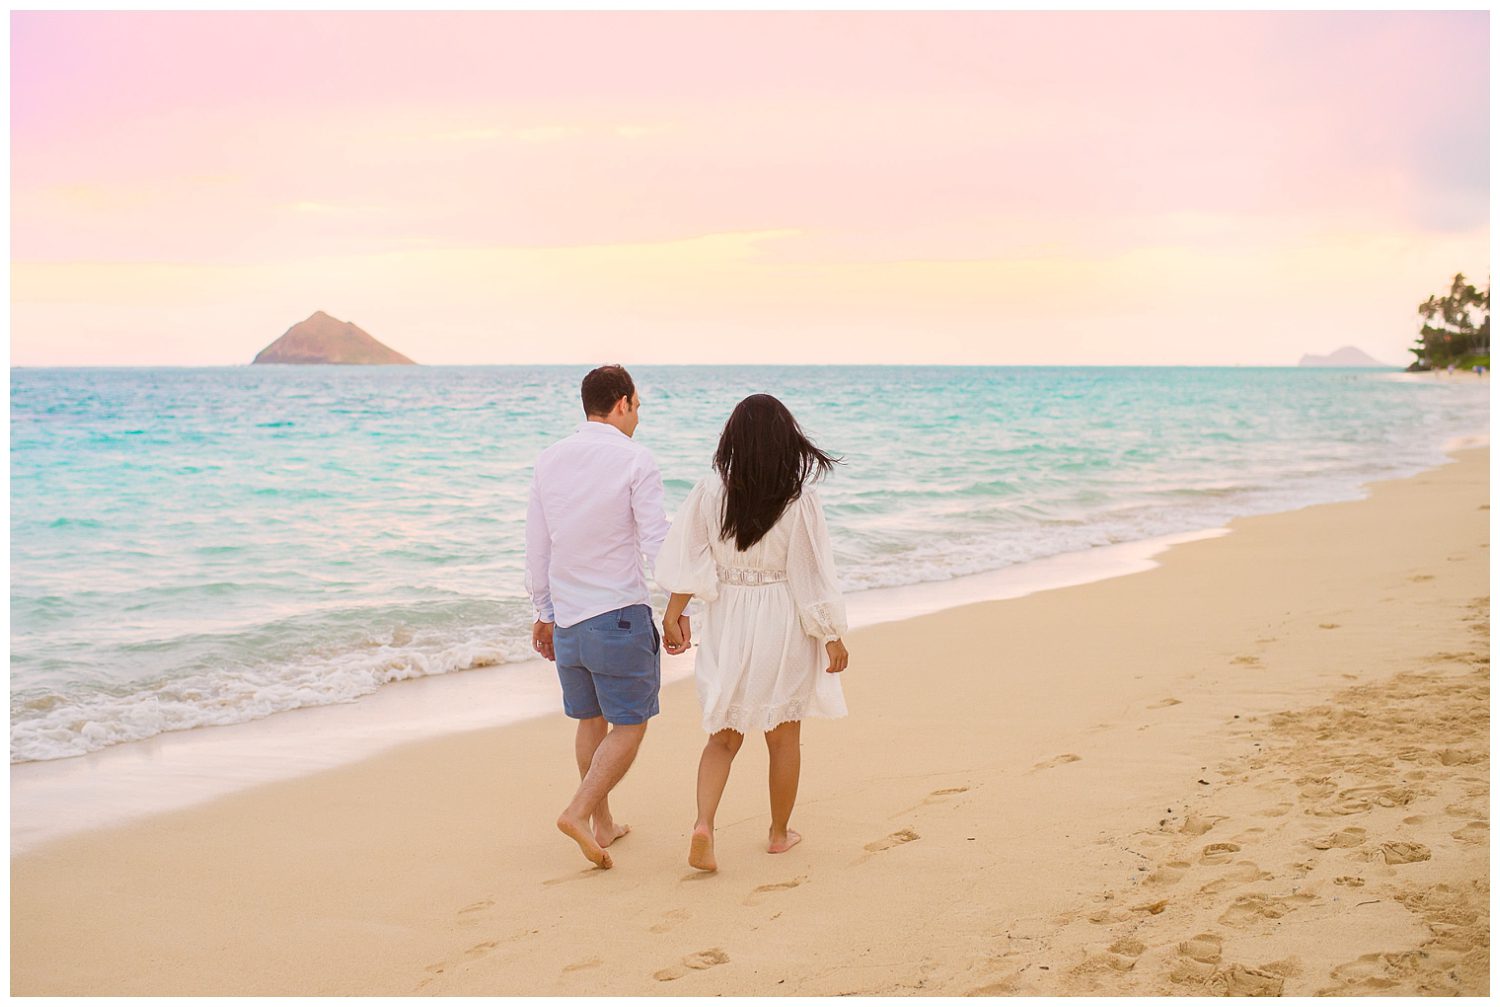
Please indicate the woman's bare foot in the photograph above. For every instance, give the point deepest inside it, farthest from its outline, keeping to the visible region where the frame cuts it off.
(785, 842)
(581, 834)
(607, 834)
(701, 850)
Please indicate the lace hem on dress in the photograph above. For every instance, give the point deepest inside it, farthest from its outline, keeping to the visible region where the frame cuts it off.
(746, 719)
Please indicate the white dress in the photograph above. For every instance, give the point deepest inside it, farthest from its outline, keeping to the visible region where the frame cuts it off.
(769, 611)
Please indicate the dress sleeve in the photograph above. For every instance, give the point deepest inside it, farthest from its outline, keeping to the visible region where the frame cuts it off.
(685, 564)
(810, 572)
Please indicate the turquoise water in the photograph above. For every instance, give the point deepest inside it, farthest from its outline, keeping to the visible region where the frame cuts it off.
(209, 546)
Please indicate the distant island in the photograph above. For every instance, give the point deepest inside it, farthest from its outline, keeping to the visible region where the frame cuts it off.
(1346, 356)
(323, 339)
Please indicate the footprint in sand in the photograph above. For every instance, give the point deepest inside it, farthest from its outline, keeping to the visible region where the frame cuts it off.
(1247, 661)
(894, 839)
(936, 797)
(1421, 578)
(1343, 839)
(1161, 704)
(1206, 948)
(1197, 959)
(1317, 786)
(1108, 915)
(481, 949)
(1474, 832)
(1349, 881)
(692, 963)
(1119, 957)
(753, 899)
(1196, 825)
(1238, 980)
(1237, 876)
(1219, 853)
(1151, 908)
(477, 907)
(779, 886)
(1355, 800)
(587, 963)
(1061, 760)
(1400, 852)
(671, 920)
(1328, 625)
(1375, 972)
(1248, 910)
(583, 875)
(1167, 874)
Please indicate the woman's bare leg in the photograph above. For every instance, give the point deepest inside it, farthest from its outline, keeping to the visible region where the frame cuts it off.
(713, 775)
(785, 745)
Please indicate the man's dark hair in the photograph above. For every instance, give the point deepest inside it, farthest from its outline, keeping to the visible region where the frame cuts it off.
(603, 387)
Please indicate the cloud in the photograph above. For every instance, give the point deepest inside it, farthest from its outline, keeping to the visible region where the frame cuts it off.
(311, 206)
(857, 176)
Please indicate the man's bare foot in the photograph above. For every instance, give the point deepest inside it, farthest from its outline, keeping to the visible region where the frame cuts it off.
(580, 833)
(609, 833)
(786, 842)
(701, 850)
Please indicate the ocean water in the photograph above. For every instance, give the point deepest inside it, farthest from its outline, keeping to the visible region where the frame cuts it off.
(193, 547)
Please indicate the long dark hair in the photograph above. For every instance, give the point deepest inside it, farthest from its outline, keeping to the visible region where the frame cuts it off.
(764, 460)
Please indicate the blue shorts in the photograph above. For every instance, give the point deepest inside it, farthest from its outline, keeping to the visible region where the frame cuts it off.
(610, 666)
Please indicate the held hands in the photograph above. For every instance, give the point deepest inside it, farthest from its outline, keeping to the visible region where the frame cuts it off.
(678, 634)
(838, 656)
(541, 640)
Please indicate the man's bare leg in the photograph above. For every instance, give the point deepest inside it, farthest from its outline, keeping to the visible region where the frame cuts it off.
(612, 758)
(590, 733)
(713, 775)
(785, 745)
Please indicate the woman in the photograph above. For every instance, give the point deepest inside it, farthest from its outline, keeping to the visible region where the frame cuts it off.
(751, 542)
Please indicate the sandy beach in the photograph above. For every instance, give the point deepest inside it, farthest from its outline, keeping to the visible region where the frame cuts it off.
(1261, 767)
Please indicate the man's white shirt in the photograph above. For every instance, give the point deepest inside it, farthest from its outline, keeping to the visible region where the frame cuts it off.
(597, 506)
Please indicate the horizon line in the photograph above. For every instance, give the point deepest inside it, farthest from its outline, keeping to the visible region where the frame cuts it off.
(126, 367)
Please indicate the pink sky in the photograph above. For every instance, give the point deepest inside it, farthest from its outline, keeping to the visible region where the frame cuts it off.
(927, 188)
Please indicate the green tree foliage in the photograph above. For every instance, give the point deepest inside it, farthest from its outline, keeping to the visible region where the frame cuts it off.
(1455, 328)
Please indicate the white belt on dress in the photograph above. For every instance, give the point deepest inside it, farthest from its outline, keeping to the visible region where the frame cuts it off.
(747, 577)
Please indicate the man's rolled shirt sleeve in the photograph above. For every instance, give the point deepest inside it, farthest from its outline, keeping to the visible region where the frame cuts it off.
(648, 501)
(538, 556)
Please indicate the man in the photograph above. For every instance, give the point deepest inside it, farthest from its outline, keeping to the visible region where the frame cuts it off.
(596, 508)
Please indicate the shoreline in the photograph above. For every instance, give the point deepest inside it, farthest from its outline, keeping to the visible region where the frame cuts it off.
(1163, 783)
(55, 798)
